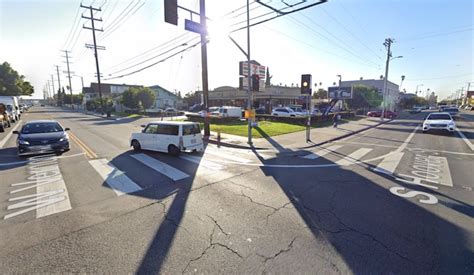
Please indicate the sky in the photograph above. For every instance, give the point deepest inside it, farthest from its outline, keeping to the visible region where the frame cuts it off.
(339, 37)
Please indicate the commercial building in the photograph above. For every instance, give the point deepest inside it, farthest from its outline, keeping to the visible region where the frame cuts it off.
(391, 97)
(272, 96)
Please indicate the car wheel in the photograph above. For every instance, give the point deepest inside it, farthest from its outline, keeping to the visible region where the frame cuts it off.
(2, 129)
(9, 124)
(424, 132)
(58, 153)
(173, 150)
(136, 145)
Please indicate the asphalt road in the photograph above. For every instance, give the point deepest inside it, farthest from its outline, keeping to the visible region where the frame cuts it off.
(388, 200)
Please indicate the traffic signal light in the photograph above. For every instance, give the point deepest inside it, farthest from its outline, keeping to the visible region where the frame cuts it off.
(306, 84)
(255, 82)
(171, 11)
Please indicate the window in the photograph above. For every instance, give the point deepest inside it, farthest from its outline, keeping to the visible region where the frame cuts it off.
(151, 129)
(171, 130)
(36, 128)
(191, 129)
(439, 116)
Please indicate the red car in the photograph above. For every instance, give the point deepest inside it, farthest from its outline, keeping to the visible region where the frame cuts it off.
(387, 114)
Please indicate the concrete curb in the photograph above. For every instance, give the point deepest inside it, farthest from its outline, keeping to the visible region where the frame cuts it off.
(225, 144)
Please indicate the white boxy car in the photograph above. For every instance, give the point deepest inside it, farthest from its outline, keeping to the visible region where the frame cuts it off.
(439, 121)
(168, 136)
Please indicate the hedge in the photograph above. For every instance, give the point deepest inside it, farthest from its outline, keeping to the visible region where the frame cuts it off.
(290, 120)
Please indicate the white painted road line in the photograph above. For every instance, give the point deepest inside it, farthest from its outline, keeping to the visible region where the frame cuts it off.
(440, 163)
(389, 163)
(116, 179)
(160, 167)
(322, 152)
(465, 139)
(225, 156)
(407, 141)
(202, 162)
(7, 137)
(354, 157)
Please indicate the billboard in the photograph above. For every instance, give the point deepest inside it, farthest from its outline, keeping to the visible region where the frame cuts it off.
(340, 92)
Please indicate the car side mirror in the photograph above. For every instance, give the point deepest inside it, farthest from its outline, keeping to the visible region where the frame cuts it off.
(143, 125)
(16, 132)
(67, 129)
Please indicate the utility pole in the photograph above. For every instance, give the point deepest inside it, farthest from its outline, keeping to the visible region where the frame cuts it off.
(52, 83)
(68, 71)
(388, 42)
(467, 91)
(95, 48)
(59, 83)
(205, 87)
(249, 73)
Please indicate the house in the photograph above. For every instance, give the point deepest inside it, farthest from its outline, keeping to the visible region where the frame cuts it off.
(165, 99)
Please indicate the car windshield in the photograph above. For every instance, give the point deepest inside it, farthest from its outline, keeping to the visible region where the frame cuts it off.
(41, 127)
(439, 116)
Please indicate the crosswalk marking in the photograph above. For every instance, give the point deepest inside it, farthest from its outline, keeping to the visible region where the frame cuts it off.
(116, 179)
(160, 167)
(226, 156)
(355, 156)
(202, 162)
(322, 152)
(389, 163)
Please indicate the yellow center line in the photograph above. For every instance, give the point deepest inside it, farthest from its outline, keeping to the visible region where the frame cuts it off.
(89, 152)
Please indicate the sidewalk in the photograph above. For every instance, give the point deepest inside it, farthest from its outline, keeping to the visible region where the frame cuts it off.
(297, 141)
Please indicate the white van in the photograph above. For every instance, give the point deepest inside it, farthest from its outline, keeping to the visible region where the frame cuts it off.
(229, 111)
(168, 136)
(14, 107)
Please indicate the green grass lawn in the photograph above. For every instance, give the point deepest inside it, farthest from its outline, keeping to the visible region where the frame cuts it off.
(265, 128)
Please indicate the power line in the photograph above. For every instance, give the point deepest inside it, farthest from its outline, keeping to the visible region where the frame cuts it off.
(116, 19)
(440, 77)
(148, 52)
(350, 32)
(124, 19)
(151, 58)
(73, 28)
(335, 44)
(438, 34)
(153, 64)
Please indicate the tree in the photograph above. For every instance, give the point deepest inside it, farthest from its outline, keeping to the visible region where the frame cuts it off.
(364, 97)
(320, 94)
(129, 98)
(12, 83)
(192, 98)
(136, 98)
(268, 78)
(146, 97)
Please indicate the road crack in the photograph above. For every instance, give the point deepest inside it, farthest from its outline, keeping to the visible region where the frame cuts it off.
(288, 248)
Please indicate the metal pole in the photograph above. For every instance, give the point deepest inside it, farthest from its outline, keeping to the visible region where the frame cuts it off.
(205, 88)
(249, 73)
(308, 126)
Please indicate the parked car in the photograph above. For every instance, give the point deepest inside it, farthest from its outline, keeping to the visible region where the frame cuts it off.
(230, 111)
(171, 137)
(284, 112)
(315, 112)
(415, 110)
(439, 121)
(298, 110)
(42, 136)
(387, 114)
(171, 111)
(212, 111)
(196, 108)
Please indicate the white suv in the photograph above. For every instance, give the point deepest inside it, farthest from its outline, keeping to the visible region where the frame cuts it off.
(168, 136)
(439, 121)
(285, 112)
